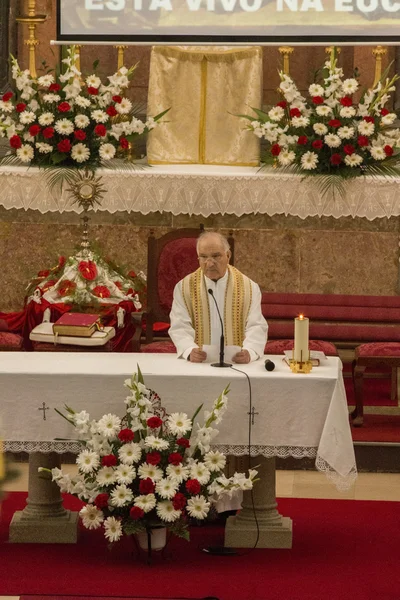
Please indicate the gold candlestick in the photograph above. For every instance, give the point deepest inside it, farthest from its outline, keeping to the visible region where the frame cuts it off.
(378, 52)
(286, 52)
(121, 50)
(32, 20)
(332, 50)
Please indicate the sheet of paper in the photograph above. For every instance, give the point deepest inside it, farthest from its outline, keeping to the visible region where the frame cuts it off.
(213, 353)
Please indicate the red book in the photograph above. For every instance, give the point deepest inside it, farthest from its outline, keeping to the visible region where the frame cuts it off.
(77, 324)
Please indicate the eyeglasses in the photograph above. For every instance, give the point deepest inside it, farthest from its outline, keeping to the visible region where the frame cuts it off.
(214, 258)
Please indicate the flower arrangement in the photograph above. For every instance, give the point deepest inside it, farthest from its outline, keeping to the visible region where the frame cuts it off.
(148, 468)
(331, 136)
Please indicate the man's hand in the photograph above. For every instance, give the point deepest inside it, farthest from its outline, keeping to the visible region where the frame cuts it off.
(197, 355)
(242, 357)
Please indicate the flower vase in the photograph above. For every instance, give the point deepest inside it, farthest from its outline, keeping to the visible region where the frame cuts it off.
(154, 538)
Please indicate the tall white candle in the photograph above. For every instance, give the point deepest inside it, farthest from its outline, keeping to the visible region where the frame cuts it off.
(301, 352)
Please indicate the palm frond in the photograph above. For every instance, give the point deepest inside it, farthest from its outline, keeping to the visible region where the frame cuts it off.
(388, 168)
(56, 177)
(10, 159)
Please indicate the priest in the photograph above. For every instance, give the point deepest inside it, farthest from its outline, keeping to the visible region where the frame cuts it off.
(194, 317)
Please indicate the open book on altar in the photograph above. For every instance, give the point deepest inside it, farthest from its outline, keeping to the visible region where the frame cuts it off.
(316, 357)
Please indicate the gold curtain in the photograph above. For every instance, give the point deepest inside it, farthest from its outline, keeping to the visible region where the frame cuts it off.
(205, 87)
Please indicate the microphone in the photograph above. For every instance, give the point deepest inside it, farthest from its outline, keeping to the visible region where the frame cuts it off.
(269, 365)
(222, 338)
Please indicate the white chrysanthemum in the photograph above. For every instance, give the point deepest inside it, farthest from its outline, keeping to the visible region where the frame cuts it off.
(80, 153)
(109, 425)
(91, 516)
(146, 502)
(353, 160)
(93, 81)
(51, 98)
(107, 151)
(100, 116)
(44, 148)
(316, 90)
(200, 472)
(347, 112)
(178, 473)
(215, 461)
(320, 128)
(366, 128)
(286, 157)
(106, 476)
(25, 153)
(27, 117)
(130, 453)
(82, 121)
(121, 495)
(166, 488)
(309, 161)
(388, 119)
(112, 529)
(124, 107)
(276, 113)
(349, 86)
(198, 507)
(88, 461)
(46, 80)
(323, 110)
(46, 119)
(378, 152)
(82, 102)
(166, 511)
(64, 126)
(125, 474)
(155, 443)
(300, 121)
(179, 423)
(6, 107)
(345, 133)
(154, 473)
(332, 140)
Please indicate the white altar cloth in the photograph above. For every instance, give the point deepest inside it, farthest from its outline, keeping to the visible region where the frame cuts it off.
(295, 415)
(205, 190)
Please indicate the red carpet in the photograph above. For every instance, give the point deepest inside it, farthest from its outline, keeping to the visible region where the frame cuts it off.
(376, 392)
(342, 550)
(378, 428)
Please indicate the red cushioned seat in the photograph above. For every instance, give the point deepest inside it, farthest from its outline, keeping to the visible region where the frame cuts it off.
(162, 347)
(378, 349)
(279, 347)
(10, 342)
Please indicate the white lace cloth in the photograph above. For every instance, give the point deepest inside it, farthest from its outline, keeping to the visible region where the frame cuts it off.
(205, 190)
(295, 415)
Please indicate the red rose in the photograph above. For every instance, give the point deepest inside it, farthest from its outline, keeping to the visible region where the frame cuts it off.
(183, 442)
(117, 99)
(88, 269)
(384, 112)
(282, 104)
(93, 91)
(21, 106)
(147, 486)
(80, 135)
(66, 288)
(294, 112)
(193, 486)
(101, 500)
(362, 141)
(175, 458)
(388, 150)
(318, 100)
(275, 149)
(336, 159)
(45, 273)
(302, 141)
(369, 119)
(109, 461)
(317, 144)
(101, 291)
(34, 130)
(335, 123)
(55, 87)
(123, 142)
(179, 501)
(64, 107)
(64, 146)
(153, 458)
(15, 142)
(136, 513)
(154, 422)
(48, 132)
(100, 130)
(126, 435)
(111, 111)
(346, 101)
(349, 149)
(7, 96)
(132, 274)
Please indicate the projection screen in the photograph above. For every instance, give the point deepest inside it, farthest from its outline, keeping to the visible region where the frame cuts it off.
(229, 21)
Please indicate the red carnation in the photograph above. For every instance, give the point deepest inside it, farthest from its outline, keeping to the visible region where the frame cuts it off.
(34, 130)
(101, 500)
(64, 146)
(302, 141)
(44, 273)
(132, 274)
(317, 144)
(101, 291)
(275, 149)
(55, 87)
(64, 107)
(80, 135)
(346, 101)
(349, 149)
(179, 501)
(100, 130)
(154, 422)
(388, 150)
(136, 513)
(7, 96)
(175, 458)
(335, 123)
(193, 486)
(109, 461)
(384, 112)
(362, 141)
(48, 133)
(88, 269)
(21, 106)
(147, 486)
(111, 111)
(153, 458)
(318, 100)
(93, 91)
(67, 288)
(15, 142)
(123, 142)
(294, 112)
(282, 104)
(184, 442)
(369, 119)
(117, 99)
(126, 435)
(336, 159)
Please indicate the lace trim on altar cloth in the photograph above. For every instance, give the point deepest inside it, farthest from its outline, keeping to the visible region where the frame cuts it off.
(342, 482)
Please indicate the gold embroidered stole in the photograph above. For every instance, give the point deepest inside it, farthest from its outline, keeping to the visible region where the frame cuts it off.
(238, 297)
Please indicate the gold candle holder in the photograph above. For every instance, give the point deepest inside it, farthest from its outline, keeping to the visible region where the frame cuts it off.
(121, 50)
(379, 52)
(32, 20)
(300, 366)
(286, 52)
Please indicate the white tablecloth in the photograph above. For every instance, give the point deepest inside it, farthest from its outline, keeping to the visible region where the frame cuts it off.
(296, 415)
(205, 190)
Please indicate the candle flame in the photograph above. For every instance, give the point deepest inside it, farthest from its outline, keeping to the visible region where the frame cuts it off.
(301, 317)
